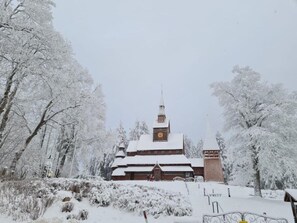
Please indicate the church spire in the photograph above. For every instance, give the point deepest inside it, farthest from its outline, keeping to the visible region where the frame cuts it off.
(210, 142)
(161, 115)
(162, 105)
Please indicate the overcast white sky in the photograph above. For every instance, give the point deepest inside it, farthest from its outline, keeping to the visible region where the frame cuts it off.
(132, 47)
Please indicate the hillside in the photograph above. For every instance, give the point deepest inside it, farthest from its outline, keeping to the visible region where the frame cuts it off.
(124, 201)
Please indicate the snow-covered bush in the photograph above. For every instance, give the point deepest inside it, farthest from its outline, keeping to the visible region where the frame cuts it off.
(25, 199)
(100, 196)
(29, 199)
(67, 207)
(155, 201)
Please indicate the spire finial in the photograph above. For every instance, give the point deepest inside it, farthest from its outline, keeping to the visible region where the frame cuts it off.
(162, 105)
(162, 98)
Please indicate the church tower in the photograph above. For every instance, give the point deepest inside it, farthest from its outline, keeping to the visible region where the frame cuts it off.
(213, 170)
(161, 128)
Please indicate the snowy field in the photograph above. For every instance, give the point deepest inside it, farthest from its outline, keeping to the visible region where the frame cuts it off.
(241, 200)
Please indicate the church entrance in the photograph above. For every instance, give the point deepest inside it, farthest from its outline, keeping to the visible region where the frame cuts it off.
(157, 173)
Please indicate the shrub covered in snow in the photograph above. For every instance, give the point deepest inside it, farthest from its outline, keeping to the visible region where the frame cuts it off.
(155, 201)
(29, 199)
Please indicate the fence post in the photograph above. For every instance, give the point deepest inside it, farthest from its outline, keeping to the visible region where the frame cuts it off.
(208, 199)
(218, 207)
(145, 217)
(213, 206)
(229, 195)
(204, 191)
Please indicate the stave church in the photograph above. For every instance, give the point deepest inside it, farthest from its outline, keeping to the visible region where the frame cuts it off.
(161, 156)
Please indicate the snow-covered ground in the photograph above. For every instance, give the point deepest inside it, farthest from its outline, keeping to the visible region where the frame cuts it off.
(241, 200)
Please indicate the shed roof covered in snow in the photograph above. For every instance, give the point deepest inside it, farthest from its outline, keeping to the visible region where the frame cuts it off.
(291, 193)
(175, 141)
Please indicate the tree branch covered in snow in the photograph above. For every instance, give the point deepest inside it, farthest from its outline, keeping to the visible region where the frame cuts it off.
(43, 87)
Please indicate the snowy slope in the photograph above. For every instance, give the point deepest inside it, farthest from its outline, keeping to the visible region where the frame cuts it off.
(241, 200)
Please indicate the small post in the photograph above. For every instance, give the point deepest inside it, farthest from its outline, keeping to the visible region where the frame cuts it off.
(213, 206)
(204, 191)
(229, 195)
(208, 199)
(265, 218)
(213, 191)
(145, 217)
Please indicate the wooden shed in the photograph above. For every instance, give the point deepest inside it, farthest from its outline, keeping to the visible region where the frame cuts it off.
(291, 196)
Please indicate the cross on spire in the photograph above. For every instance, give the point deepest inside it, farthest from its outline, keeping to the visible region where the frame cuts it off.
(161, 115)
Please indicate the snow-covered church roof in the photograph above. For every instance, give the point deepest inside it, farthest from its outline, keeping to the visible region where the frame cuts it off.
(116, 162)
(164, 124)
(197, 162)
(121, 171)
(132, 147)
(120, 153)
(154, 159)
(175, 141)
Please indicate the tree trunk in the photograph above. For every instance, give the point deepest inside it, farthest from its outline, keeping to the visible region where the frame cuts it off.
(61, 165)
(257, 183)
(4, 100)
(19, 154)
(4, 119)
(257, 177)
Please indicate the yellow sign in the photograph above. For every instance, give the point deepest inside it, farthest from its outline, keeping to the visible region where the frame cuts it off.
(243, 221)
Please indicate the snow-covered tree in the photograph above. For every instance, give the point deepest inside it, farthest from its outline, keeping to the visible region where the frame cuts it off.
(122, 135)
(199, 149)
(139, 129)
(191, 150)
(226, 160)
(261, 118)
(47, 100)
